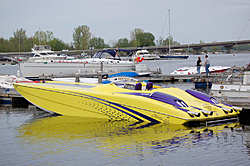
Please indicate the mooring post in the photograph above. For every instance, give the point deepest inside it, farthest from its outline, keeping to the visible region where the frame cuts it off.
(77, 78)
(99, 73)
(207, 81)
(18, 73)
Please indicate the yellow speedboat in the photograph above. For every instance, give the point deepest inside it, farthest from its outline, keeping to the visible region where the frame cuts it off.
(107, 101)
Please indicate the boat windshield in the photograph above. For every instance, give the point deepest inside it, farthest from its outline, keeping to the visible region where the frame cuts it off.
(42, 47)
(142, 52)
(104, 55)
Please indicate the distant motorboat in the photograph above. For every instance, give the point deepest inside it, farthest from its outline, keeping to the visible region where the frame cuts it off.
(144, 54)
(193, 70)
(4, 59)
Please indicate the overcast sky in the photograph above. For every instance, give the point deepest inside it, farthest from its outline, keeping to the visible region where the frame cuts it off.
(191, 20)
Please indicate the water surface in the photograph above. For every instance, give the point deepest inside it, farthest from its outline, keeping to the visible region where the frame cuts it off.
(30, 137)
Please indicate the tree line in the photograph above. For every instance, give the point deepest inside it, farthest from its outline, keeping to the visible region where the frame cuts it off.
(82, 40)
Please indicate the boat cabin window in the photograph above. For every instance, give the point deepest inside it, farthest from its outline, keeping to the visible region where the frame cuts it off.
(46, 47)
(43, 53)
(36, 55)
(142, 53)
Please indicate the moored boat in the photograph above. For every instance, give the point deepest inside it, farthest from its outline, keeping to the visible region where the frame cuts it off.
(193, 70)
(43, 52)
(106, 61)
(233, 89)
(144, 54)
(174, 56)
(171, 55)
(108, 101)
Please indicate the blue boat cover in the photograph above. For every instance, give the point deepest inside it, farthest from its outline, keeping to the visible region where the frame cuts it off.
(124, 74)
(113, 52)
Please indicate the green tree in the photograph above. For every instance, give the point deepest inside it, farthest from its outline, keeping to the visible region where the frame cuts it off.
(145, 39)
(42, 38)
(97, 42)
(58, 45)
(3, 44)
(134, 42)
(20, 33)
(123, 42)
(165, 42)
(214, 48)
(18, 40)
(81, 37)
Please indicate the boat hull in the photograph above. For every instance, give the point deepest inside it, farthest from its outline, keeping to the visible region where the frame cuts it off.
(193, 70)
(114, 103)
(38, 69)
(173, 56)
(231, 90)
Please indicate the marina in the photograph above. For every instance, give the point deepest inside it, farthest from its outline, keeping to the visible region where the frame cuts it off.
(161, 75)
(38, 135)
(125, 83)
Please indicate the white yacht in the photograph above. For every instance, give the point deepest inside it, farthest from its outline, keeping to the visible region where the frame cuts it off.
(144, 54)
(43, 52)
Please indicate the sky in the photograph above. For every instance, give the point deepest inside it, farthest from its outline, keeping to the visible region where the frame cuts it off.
(190, 20)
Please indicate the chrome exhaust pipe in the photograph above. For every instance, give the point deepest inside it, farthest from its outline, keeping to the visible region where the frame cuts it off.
(227, 110)
(207, 112)
(237, 108)
(194, 113)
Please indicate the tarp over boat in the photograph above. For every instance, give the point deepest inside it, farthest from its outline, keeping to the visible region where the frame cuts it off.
(113, 53)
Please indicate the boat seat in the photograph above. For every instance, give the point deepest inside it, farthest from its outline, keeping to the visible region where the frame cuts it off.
(149, 86)
(138, 86)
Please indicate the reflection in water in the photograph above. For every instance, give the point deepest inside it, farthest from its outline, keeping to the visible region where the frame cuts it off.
(62, 135)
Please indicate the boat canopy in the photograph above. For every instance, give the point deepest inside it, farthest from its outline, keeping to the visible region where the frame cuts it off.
(112, 54)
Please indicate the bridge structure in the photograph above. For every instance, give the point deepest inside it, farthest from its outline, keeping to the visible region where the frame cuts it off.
(229, 45)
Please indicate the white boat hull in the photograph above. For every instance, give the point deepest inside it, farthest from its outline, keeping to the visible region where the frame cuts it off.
(149, 57)
(193, 70)
(36, 69)
(230, 90)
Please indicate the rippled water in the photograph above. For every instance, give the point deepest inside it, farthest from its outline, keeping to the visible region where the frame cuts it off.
(30, 137)
(168, 66)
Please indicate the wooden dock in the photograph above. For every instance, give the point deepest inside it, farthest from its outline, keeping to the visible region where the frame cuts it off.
(13, 99)
(7, 63)
(229, 76)
(214, 77)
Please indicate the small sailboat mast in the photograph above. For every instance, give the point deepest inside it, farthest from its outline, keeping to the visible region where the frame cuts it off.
(169, 33)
